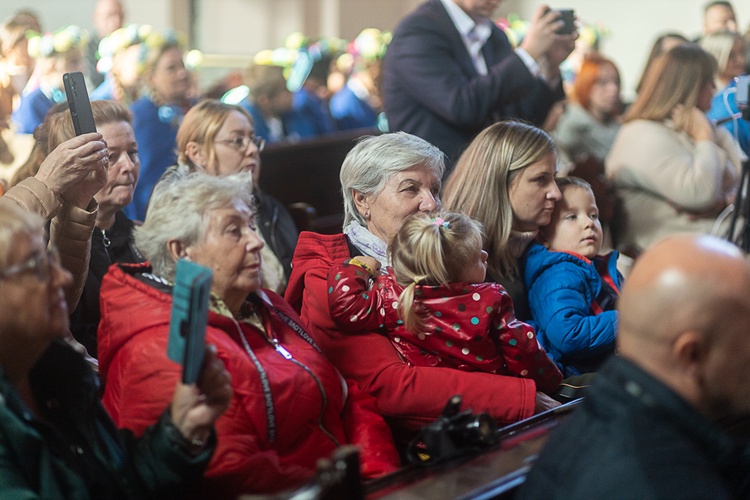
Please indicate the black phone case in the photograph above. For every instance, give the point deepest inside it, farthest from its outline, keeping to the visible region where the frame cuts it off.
(78, 101)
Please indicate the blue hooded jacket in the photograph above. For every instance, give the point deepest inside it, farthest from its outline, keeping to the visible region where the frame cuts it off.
(562, 287)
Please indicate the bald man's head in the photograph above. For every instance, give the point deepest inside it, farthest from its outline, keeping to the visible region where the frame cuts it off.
(684, 312)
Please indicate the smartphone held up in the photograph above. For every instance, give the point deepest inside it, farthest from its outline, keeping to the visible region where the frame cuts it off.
(78, 102)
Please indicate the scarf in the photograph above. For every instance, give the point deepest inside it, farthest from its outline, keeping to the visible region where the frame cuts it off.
(367, 243)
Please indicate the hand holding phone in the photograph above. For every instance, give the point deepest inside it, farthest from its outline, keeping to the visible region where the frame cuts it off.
(78, 102)
(568, 16)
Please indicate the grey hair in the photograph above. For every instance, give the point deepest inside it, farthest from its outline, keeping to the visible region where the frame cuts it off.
(177, 210)
(374, 159)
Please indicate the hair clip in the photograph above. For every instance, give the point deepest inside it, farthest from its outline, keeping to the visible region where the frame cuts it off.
(438, 221)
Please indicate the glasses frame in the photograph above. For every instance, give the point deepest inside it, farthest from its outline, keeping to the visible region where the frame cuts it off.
(241, 143)
(40, 263)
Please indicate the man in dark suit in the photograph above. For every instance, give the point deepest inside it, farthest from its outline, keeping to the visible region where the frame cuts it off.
(449, 72)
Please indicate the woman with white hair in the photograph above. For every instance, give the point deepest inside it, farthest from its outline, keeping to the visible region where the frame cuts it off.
(290, 408)
(384, 179)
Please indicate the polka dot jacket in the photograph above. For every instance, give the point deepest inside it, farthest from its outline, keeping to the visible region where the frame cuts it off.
(469, 327)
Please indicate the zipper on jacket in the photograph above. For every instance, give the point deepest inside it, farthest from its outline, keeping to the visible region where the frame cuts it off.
(288, 356)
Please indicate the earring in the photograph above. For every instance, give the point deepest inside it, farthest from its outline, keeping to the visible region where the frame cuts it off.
(367, 215)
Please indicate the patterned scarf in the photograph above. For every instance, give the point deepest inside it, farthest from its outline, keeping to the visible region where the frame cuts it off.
(367, 243)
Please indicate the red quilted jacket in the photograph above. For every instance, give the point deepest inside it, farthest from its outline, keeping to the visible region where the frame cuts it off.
(251, 456)
(409, 396)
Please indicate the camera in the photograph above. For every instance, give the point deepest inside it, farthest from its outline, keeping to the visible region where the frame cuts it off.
(457, 432)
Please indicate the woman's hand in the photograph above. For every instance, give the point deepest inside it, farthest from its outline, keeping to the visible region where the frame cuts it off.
(76, 169)
(195, 408)
(694, 122)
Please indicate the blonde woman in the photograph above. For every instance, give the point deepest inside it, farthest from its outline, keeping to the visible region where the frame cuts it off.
(506, 180)
(220, 139)
(674, 171)
(158, 114)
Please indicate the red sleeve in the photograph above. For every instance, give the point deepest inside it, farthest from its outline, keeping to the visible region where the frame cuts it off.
(367, 429)
(352, 304)
(406, 395)
(140, 384)
(519, 347)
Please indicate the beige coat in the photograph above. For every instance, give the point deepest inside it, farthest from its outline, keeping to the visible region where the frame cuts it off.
(664, 179)
(70, 228)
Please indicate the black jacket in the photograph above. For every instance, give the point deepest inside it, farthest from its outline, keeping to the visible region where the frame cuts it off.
(635, 438)
(73, 451)
(278, 228)
(431, 88)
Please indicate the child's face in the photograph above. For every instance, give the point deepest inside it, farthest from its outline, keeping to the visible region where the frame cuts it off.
(575, 225)
(476, 269)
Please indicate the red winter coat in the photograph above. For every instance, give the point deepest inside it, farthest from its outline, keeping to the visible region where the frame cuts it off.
(409, 396)
(471, 327)
(140, 379)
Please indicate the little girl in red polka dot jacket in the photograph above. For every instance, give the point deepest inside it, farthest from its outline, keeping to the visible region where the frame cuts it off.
(434, 305)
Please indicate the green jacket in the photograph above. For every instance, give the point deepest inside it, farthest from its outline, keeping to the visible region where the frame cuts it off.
(73, 450)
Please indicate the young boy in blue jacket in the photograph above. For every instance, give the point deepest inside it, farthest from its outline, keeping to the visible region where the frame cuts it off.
(572, 289)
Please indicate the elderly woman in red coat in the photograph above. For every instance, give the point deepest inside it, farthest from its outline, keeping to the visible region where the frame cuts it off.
(384, 179)
(290, 406)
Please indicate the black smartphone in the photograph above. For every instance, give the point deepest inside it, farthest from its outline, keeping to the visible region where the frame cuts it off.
(568, 16)
(78, 102)
(187, 327)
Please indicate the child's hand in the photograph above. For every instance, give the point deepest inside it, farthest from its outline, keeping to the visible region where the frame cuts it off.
(370, 264)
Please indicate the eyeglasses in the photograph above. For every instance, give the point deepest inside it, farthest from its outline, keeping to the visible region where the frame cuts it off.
(242, 143)
(40, 263)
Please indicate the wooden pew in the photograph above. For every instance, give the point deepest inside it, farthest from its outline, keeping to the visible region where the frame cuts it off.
(497, 473)
(304, 176)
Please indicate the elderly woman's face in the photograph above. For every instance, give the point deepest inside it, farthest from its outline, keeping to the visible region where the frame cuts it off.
(533, 193)
(124, 165)
(231, 249)
(416, 189)
(32, 302)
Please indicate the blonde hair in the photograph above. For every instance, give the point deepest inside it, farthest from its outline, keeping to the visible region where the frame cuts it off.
(676, 77)
(431, 249)
(720, 45)
(201, 124)
(479, 185)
